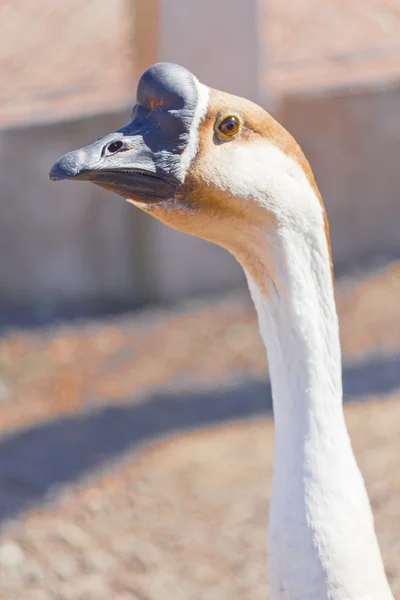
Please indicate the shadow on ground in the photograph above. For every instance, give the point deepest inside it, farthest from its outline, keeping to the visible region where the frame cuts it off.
(34, 460)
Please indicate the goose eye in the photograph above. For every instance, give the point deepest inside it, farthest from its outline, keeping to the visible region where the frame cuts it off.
(227, 126)
(114, 147)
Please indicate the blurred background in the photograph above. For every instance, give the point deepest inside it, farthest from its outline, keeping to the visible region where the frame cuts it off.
(135, 407)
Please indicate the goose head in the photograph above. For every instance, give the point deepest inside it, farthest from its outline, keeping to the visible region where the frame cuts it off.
(204, 162)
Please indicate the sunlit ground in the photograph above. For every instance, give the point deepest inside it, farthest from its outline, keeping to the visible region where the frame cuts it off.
(105, 489)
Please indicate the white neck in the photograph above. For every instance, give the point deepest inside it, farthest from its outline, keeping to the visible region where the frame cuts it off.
(322, 542)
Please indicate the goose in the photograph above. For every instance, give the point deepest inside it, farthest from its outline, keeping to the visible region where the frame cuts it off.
(221, 168)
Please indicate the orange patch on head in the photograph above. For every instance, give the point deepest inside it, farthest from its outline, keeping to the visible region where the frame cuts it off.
(155, 103)
(256, 120)
(205, 205)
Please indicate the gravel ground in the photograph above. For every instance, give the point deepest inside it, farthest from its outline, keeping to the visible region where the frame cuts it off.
(135, 453)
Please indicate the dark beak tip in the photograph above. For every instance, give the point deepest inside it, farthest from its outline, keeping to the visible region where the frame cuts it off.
(57, 172)
(66, 167)
(53, 176)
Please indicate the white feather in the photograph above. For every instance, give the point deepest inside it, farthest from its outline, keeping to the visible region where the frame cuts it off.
(322, 543)
(200, 112)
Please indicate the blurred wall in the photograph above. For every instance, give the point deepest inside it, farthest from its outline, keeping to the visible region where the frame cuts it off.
(70, 244)
(60, 244)
(351, 136)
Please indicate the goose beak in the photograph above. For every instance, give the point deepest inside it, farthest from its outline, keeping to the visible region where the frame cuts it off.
(120, 162)
(141, 161)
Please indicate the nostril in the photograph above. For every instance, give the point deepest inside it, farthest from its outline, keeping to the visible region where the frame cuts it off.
(114, 147)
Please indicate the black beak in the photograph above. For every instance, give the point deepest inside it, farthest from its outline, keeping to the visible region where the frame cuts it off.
(142, 160)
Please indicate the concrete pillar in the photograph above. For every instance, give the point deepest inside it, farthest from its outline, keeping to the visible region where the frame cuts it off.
(223, 43)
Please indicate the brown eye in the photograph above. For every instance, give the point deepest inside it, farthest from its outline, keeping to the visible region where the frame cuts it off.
(114, 146)
(227, 126)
